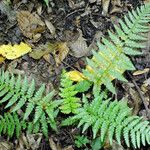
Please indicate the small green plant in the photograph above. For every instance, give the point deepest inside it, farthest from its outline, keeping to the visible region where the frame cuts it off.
(81, 141)
(70, 102)
(112, 120)
(19, 94)
(46, 2)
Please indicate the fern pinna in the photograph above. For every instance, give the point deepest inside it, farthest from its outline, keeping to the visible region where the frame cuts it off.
(67, 91)
(111, 60)
(111, 120)
(18, 94)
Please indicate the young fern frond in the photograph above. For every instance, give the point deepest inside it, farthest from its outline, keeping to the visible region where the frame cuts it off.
(17, 95)
(112, 120)
(11, 125)
(67, 92)
(111, 60)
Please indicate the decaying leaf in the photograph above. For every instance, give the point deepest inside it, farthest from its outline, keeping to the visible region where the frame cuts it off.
(30, 24)
(53, 145)
(15, 51)
(105, 5)
(50, 27)
(60, 52)
(76, 76)
(139, 72)
(79, 47)
(58, 49)
(41, 50)
(4, 145)
(29, 142)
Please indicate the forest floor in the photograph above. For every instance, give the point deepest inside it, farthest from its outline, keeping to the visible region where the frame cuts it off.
(62, 35)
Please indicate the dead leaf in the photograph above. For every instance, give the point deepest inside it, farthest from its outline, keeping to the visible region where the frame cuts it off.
(79, 47)
(4, 145)
(30, 24)
(105, 5)
(68, 148)
(139, 72)
(60, 52)
(15, 51)
(53, 145)
(42, 50)
(29, 142)
(50, 27)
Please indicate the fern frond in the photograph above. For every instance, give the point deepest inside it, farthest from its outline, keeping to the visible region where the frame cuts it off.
(113, 120)
(17, 95)
(111, 61)
(11, 125)
(67, 91)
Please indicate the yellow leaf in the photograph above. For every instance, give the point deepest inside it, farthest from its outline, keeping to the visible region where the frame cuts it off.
(15, 51)
(75, 76)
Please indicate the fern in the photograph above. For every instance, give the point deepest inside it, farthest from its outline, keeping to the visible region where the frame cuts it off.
(111, 60)
(18, 94)
(67, 91)
(112, 120)
(11, 125)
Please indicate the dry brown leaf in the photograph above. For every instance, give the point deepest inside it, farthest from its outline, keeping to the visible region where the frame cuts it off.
(4, 145)
(139, 72)
(30, 24)
(29, 142)
(42, 50)
(60, 52)
(53, 145)
(50, 27)
(105, 5)
(68, 148)
(79, 47)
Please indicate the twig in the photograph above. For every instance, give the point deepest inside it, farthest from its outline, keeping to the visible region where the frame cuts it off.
(141, 96)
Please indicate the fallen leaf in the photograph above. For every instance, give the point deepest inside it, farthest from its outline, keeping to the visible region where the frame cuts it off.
(15, 51)
(139, 72)
(2, 59)
(42, 50)
(105, 5)
(79, 47)
(60, 52)
(68, 148)
(30, 24)
(50, 27)
(75, 76)
(53, 145)
(30, 141)
(4, 145)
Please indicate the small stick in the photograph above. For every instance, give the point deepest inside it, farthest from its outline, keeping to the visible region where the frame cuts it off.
(141, 96)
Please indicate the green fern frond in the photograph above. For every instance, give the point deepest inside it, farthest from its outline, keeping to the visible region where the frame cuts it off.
(113, 120)
(111, 61)
(17, 96)
(11, 125)
(67, 92)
